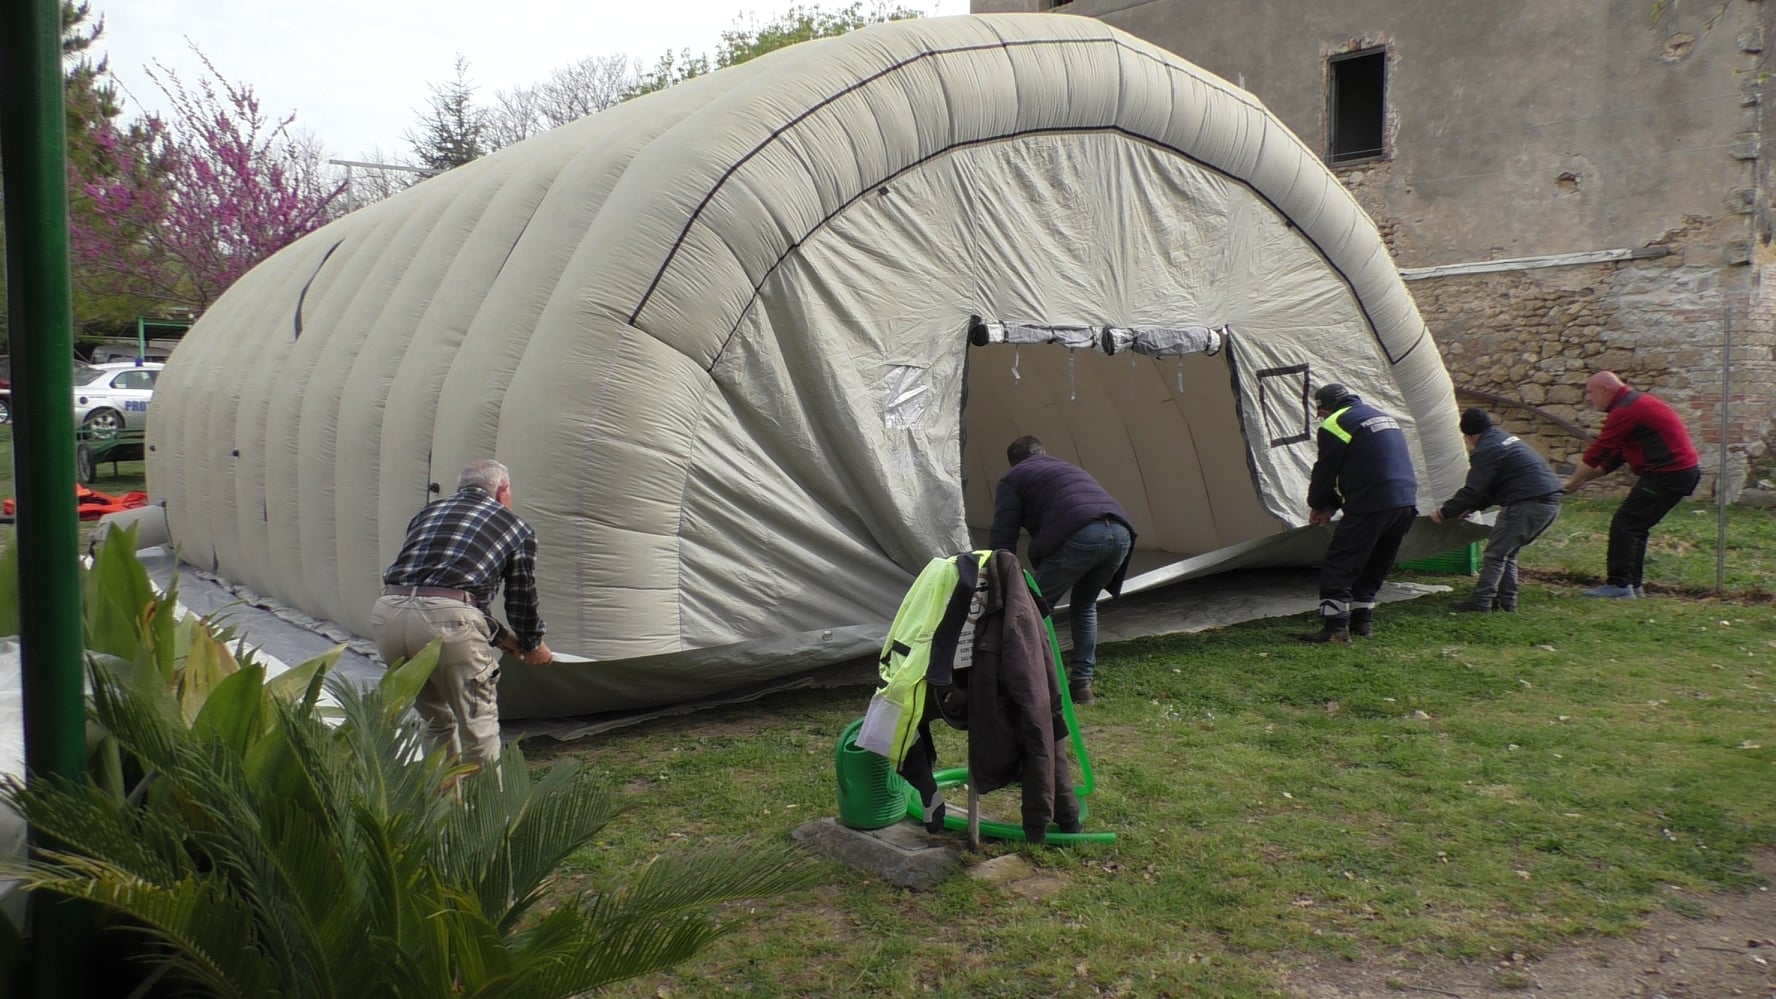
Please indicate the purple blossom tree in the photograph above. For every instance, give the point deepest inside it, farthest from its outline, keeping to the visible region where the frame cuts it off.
(189, 204)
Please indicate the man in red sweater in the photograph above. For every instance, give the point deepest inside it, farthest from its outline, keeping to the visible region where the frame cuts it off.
(1646, 435)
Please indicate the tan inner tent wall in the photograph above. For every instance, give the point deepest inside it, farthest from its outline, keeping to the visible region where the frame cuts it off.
(1176, 460)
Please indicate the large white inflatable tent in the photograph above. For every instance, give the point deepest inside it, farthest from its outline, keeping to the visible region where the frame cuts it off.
(753, 348)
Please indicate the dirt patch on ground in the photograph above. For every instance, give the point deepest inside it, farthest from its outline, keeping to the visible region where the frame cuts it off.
(1729, 951)
(1753, 597)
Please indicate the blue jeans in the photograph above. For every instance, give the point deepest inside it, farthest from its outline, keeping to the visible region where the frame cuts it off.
(1079, 571)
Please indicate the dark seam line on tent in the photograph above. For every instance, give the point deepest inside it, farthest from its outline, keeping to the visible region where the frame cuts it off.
(302, 296)
(528, 219)
(778, 132)
(1116, 129)
(1409, 350)
(962, 432)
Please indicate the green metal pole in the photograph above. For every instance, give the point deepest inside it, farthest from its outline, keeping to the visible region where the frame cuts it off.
(33, 137)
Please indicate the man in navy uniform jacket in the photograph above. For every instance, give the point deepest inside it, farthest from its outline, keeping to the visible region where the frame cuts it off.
(1365, 469)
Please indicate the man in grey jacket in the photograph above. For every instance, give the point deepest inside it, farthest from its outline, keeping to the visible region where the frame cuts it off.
(1505, 470)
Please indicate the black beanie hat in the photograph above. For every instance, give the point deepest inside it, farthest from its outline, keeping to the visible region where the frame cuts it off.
(1475, 422)
(1330, 395)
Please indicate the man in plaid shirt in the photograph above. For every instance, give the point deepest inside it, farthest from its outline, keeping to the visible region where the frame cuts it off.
(458, 552)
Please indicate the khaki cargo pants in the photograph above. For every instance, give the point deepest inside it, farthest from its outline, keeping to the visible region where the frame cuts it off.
(460, 702)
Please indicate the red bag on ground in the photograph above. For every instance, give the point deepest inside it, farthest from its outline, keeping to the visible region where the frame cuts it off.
(92, 504)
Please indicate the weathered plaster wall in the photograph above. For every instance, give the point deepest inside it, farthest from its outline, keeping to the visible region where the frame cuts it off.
(1583, 122)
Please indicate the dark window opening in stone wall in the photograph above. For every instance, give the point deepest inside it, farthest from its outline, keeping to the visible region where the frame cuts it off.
(1357, 94)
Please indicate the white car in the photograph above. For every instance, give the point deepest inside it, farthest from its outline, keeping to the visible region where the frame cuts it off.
(109, 398)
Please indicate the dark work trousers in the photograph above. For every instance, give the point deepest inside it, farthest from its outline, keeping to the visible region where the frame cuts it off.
(1648, 502)
(917, 767)
(1518, 524)
(1358, 559)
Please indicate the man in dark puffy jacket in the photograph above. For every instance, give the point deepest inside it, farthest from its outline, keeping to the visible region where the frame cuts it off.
(1504, 470)
(1080, 540)
(1365, 469)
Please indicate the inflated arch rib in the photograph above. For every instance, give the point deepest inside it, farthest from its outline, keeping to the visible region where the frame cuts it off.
(720, 335)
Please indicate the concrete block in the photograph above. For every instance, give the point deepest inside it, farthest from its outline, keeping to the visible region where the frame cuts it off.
(903, 854)
(1763, 499)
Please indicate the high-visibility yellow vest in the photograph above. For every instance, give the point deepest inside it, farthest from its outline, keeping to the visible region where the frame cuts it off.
(931, 603)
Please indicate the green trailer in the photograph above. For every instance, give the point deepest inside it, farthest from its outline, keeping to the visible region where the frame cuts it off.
(94, 445)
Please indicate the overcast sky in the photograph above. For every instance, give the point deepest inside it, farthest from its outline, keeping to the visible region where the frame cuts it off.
(356, 73)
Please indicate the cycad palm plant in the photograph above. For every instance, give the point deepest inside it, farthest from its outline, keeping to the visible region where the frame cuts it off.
(266, 850)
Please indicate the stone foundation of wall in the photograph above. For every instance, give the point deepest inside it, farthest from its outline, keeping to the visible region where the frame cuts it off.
(1522, 343)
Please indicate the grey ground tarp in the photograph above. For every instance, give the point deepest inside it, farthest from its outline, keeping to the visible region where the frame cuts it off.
(722, 337)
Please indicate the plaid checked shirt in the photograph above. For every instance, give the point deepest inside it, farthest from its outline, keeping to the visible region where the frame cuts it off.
(470, 542)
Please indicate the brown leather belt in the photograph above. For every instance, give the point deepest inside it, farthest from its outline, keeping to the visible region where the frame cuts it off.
(429, 591)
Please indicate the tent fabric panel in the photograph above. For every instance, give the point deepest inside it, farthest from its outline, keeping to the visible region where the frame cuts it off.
(810, 374)
(182, 427)
(821, 565)
(602, 474)
(393, 390)
(333, 516)
(300, 488)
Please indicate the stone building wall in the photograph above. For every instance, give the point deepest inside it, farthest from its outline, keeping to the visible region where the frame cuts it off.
(1521, 344)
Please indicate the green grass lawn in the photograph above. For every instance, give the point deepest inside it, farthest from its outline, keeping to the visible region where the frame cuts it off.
(1457, 787)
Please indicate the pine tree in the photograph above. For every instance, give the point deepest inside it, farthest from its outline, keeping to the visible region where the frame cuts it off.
(453, 130)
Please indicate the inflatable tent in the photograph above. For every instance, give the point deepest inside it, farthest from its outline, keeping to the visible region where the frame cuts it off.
(753, 348)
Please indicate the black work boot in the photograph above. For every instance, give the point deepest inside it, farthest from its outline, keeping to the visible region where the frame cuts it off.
(1332, 630)
(1473, 604)
(1504, 602)
(1079, 688)
(1361, 619)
